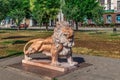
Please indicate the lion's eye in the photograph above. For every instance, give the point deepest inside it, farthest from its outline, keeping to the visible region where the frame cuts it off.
(65, 34)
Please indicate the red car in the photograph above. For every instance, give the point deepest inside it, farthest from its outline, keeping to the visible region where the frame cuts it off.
(25, 26)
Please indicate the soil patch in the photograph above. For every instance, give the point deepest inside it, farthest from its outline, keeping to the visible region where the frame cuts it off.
(99, 45)
(3, 47)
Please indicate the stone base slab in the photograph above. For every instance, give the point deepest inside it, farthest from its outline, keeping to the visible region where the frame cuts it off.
(46, 64)
(44, 73)
(40, 66)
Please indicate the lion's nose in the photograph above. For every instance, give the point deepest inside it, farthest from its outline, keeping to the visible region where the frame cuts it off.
(70, 40)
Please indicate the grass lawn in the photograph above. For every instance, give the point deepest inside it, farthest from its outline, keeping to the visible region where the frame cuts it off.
(91, 43)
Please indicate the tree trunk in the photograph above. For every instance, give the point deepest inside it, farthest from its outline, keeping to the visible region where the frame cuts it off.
(76, 25)
(46, 26)
(114, 29)
(80, 24)
(89, 21)
(18, 26)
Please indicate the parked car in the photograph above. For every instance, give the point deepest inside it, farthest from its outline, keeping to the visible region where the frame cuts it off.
(13, 26)
(22, 26)
(25, 26)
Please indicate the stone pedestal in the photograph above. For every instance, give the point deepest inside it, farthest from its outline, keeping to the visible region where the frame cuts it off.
(40, 66)
(63, 67)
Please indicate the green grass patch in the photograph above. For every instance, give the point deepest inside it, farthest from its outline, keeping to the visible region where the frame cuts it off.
(96, 33)
(11, 53)
(98, 43)
(7, 42)
(13, 42)
(2, 31)
(115, 34)
(19, 42)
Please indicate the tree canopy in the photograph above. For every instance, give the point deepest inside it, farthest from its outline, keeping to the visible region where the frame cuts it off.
(78, 10)
(6, 6)
(44, 10)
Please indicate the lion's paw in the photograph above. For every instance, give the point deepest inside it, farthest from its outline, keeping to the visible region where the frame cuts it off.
(27, 57)
(56, 64)
(73, 63)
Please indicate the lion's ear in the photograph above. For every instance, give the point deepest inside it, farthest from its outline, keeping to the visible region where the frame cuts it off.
(57, 23)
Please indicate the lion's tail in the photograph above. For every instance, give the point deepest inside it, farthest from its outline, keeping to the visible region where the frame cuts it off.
(31, 41)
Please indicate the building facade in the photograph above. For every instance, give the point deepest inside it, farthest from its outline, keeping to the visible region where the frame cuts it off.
(112, 11)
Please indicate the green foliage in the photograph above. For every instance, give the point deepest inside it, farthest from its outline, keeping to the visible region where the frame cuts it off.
(112, 24)
(78, 10)
(13, 52)
(98, 15)
(4, 8)
(44, 10)
(8, 6)
(90, 7)
(17, 15)
(73, 10)
(115, 34)
(26, 8)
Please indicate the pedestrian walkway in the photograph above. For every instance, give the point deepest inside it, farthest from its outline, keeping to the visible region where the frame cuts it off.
(80, 28)
(102, 68)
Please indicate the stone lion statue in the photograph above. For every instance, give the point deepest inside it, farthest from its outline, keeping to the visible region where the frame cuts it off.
(59, 44)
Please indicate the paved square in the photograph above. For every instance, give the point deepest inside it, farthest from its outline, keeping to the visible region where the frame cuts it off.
(102, 68)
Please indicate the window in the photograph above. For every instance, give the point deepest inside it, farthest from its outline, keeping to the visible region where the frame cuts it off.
(109, 19)
(118, 18)
(118, 5)
(109, 4)
(102, 2)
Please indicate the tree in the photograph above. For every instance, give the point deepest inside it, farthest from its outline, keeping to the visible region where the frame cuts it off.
(4, 8)
(94, 11)
(17, 15)
(98, 15)
(74, 10)
(44, 10)
(78, 10)
(26, 7)
(11, 7)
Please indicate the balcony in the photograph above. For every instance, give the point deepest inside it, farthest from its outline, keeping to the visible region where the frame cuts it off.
(109, 11)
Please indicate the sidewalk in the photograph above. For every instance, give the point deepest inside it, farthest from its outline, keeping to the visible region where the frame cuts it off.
(80, 28)
(101, 69)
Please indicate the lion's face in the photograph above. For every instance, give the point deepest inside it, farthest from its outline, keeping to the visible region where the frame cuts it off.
(64, 34)
(67, 37)
(68, 32)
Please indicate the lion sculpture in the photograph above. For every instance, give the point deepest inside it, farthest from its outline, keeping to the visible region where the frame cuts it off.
(59, 44)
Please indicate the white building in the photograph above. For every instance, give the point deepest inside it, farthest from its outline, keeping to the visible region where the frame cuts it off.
(110, 4)
(112, 9)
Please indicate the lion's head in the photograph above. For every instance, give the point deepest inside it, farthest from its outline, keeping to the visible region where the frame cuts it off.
(63, 34)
